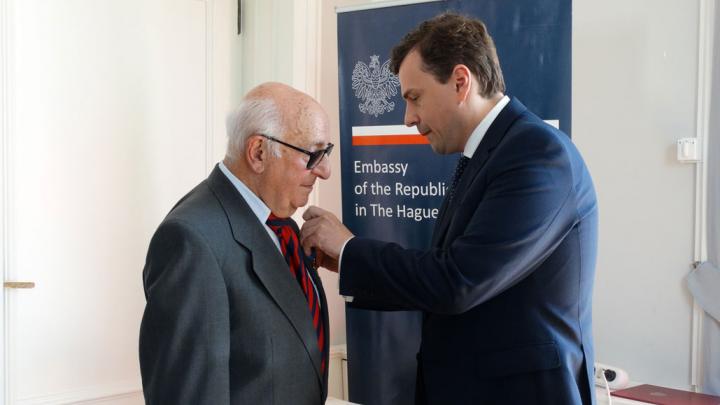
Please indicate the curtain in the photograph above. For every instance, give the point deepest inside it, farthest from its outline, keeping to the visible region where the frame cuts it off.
(704, 282)
(711, 324)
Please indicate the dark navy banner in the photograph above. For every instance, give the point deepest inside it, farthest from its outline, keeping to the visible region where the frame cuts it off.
(392, 182)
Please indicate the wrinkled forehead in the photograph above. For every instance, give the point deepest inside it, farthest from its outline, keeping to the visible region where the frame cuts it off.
(308, 124)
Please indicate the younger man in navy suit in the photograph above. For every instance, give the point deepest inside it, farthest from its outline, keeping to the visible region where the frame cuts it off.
(506, 286)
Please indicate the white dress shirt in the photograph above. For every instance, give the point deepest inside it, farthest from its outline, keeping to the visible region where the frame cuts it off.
(258, 207)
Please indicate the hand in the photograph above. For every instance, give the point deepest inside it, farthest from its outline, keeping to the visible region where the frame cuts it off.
(323, 260)
(323, 231)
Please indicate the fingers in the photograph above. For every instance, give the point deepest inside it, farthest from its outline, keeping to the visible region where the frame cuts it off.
(309, 228)
(323, 260)
(312, 234)
(313, 211)
(308, 234)
(322, 230)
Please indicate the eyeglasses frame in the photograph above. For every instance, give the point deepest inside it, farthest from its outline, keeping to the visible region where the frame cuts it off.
(325, 152)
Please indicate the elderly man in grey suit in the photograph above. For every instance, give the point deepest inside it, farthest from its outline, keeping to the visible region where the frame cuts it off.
(236, 313)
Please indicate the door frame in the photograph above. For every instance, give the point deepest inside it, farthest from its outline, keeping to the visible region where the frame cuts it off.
(6, 125)
(706, 38)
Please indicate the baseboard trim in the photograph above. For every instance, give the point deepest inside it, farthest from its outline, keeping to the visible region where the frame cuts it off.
(85, 395)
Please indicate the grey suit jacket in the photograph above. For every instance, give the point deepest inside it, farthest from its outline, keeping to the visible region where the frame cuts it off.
(225, 321)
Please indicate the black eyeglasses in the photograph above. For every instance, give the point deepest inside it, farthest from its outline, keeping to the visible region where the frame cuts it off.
(315, 157)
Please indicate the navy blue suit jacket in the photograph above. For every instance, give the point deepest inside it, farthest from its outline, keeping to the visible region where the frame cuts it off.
(506, 287)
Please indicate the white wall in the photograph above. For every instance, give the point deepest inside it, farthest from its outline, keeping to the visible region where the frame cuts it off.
(634, 94)
(266, 42)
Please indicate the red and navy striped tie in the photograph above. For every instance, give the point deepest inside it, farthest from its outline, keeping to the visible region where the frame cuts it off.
(285, 228)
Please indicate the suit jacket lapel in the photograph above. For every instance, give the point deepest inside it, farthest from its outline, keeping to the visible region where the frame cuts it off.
(267, 263)
(323, 313)
(326, 324)
(492, 138)
(440, 223)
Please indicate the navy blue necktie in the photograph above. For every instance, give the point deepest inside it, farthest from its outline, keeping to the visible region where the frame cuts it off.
(284, 228)
(457, 174)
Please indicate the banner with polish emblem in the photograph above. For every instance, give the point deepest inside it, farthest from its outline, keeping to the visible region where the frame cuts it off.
(392, 182)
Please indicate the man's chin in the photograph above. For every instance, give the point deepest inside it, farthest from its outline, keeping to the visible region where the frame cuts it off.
(437, 148)
(302, 202)
(442, 149)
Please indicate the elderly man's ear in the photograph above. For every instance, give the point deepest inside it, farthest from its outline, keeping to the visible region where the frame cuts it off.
(256, 153)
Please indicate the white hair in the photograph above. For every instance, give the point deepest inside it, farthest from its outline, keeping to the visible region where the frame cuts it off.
(253, 117)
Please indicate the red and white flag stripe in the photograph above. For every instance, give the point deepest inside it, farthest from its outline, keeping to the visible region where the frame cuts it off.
(387, 135)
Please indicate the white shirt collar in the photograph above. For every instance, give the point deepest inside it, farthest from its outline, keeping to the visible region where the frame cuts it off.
(479, 133)
(257, 206)
(262, 212)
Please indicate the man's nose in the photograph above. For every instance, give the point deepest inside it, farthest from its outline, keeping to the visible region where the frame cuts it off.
(323, 170)
(411, 119)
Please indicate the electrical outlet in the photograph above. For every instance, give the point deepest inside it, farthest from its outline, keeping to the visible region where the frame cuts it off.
(616, 377)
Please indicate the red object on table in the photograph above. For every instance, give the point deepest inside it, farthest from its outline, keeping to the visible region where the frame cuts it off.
(666, 396)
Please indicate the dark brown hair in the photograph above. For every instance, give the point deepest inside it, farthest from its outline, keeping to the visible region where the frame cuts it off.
(448, 40)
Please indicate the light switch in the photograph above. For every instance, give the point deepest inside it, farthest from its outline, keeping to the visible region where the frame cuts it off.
(688, 150)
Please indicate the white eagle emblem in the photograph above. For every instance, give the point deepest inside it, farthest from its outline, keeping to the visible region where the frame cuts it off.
(374, 85)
